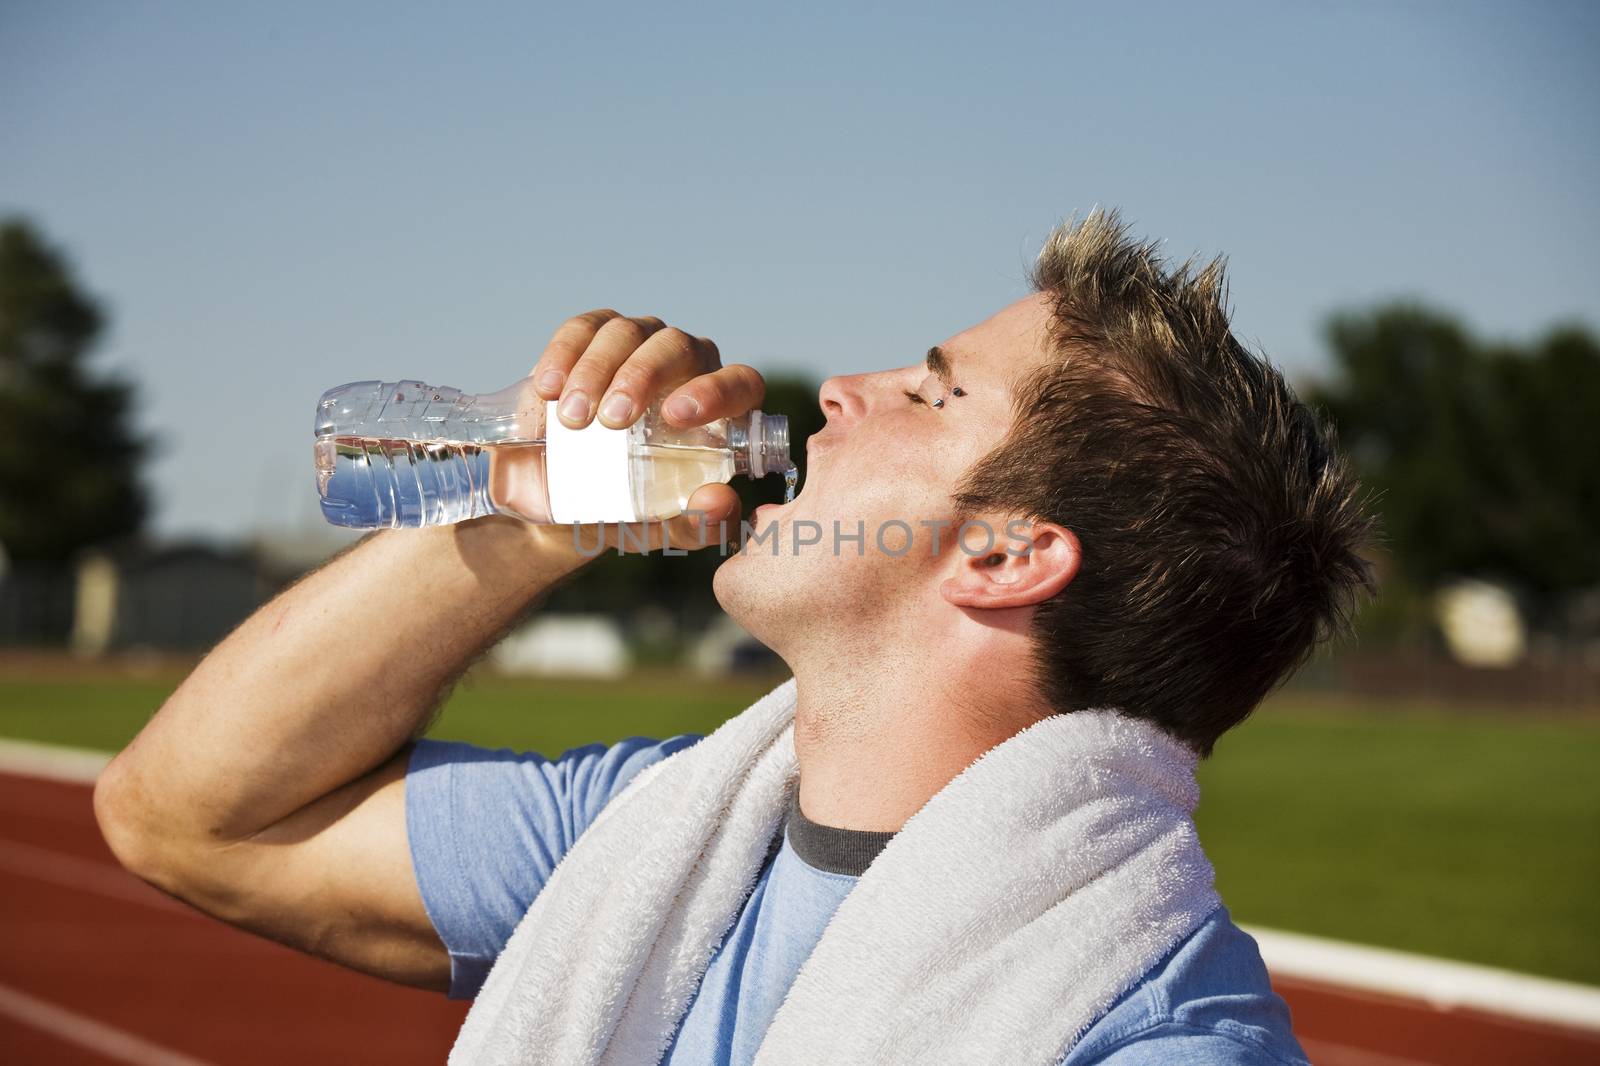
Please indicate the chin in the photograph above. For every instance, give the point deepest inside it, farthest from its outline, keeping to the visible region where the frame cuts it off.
(738, 591)
(760, 593)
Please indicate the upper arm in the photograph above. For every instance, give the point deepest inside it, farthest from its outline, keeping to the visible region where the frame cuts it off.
(1210, 1000)
(418, 871)
(333, 879)
(1172, 1043)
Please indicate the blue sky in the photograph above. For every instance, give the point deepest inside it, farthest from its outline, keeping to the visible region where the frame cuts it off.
(279, 199)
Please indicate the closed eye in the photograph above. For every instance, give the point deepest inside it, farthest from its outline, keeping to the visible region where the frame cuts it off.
(915, 397)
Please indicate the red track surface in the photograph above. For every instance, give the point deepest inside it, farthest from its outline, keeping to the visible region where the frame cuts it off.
(82, 942)
(170, 975)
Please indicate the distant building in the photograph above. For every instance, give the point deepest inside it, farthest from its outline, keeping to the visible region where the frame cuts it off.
(35, 603)
(182, 597)
(135, 594)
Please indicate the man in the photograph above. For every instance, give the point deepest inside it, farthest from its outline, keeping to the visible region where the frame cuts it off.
(1174, 533)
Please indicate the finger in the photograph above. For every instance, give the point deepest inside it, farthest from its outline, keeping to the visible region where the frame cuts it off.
(566, 347)
(716, 521)
(615, 342)
(724, 393)
(669, 357)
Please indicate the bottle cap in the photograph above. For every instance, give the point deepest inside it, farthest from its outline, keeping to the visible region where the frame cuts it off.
(769, 444)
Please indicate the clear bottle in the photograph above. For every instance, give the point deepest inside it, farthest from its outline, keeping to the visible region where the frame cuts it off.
(406, 454)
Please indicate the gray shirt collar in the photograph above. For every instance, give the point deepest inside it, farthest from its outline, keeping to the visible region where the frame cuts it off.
(837, 851)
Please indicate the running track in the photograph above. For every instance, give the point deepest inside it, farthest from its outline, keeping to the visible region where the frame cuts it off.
(96, 968)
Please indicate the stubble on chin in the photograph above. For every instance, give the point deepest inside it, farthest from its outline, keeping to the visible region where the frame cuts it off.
(758, 594)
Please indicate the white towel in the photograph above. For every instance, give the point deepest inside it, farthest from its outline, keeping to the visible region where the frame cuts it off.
(996, 926)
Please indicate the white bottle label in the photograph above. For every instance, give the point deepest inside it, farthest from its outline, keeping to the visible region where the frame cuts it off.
(588, 472)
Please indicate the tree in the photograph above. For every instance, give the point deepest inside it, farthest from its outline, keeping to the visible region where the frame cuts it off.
(1483, 455)
(69, 455)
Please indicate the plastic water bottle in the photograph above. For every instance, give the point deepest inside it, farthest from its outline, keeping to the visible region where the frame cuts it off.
(405, 453)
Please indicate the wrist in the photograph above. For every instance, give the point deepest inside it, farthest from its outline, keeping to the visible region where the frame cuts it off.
(519, 550)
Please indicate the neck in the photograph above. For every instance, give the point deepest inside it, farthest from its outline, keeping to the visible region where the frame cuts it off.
(876, 740)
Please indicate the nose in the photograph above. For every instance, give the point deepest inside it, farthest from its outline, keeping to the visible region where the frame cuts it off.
(840, 404)
(842, 399)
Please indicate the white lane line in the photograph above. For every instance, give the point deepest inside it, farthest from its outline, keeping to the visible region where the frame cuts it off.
(78, 765)
(85, 875)
(84, 1031)
(1441, 983)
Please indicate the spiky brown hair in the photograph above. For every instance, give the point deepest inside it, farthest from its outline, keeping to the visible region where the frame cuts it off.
(1222, 531)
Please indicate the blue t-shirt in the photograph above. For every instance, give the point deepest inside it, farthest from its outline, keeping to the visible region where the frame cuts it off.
(487, 827)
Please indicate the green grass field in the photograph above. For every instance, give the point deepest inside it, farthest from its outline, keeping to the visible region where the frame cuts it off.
(1468, 836)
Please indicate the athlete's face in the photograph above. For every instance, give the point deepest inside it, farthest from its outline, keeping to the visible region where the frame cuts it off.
(885, 465)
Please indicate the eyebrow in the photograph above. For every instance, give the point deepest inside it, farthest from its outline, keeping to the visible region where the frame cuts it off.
(939, 365)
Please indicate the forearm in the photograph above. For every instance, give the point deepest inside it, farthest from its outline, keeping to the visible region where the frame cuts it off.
(329, 679)
(270, 789)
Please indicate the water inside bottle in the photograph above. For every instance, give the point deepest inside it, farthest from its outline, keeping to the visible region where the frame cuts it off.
(666, 475)
(378, 482)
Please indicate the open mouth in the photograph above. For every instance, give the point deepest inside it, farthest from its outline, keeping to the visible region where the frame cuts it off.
(771, 510)
(767, 512)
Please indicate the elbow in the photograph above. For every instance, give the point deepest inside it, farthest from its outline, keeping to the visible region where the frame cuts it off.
(126, 817)
(148, 837)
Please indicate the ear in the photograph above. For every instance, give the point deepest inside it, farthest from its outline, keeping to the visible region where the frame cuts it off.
(1027, 563)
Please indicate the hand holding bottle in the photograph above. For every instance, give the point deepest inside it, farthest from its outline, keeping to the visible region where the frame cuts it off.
(605, 365)
(624, 423)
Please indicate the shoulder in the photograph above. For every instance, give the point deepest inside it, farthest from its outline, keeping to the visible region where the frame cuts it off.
(487, 827)
(577, 783)
(1210, 1000)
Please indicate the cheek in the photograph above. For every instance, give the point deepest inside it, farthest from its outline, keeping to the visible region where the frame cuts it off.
(897, 467)
(883, 485)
